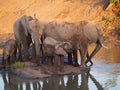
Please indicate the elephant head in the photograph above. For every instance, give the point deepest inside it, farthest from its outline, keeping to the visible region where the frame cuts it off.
(36, 30)
(63, 48)
(24, 22)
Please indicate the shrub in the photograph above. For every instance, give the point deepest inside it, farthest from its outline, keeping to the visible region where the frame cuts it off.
(114, 1)
(108, 18)
(18, 65)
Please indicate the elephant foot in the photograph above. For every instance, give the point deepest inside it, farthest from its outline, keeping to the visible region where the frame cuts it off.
(70, 63)
(26, 59)
(54, 71)
(91, 63)
(61, 69)
(38, 63)
(76, 65)
(82, 66)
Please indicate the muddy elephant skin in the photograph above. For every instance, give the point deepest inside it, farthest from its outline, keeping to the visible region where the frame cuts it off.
(26, 31)
(20, 28)
(9, 52)
(57, 50)
(79, 34)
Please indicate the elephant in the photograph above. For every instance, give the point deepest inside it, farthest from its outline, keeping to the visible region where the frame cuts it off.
(79, 34)
(26, 31)
(23, 39)
(57, 50)
(9, 52)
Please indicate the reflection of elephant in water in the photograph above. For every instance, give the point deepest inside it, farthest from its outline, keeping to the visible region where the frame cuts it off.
(26, 30)
(79, 34)
(9, 51)
(57, 50)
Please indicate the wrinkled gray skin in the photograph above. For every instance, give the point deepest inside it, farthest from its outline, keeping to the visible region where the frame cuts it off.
(57, 50)
(9, 52)
(22, 37)
(79, 34)
(26, 30)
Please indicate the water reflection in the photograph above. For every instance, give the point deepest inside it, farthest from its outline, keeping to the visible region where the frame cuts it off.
(104, 75)
(72, 82)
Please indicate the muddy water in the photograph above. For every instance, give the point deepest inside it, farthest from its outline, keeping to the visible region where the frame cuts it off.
(103, 75)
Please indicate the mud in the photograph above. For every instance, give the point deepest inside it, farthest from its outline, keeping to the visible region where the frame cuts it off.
(33, 71)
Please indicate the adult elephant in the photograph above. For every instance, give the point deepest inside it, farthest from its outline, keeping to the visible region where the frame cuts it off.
(26, 30)
(79, 34)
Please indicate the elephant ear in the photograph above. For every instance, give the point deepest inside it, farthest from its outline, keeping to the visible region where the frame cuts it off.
(24, 24)
(67, 46)
(59, 50)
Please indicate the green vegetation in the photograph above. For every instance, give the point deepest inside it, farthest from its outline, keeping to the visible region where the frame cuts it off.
(114, 1)
(18, 65)
(108, 18)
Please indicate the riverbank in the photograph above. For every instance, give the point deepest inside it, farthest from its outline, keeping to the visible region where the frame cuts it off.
(31, 70)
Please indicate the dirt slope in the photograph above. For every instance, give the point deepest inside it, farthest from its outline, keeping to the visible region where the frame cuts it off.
(48, 10)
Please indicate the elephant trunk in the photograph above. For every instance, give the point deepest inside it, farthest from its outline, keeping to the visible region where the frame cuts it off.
(37, 51)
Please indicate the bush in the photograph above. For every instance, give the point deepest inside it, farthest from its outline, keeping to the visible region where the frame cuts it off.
(108, 18)
(18, 65)
(114, 1)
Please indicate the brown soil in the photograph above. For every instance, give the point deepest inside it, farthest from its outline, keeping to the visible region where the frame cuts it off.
(62, 10)
(30, 70)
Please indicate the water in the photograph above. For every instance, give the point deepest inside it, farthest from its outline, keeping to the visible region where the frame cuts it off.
(103, 75)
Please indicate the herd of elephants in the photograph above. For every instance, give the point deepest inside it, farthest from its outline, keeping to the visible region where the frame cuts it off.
(55, 40)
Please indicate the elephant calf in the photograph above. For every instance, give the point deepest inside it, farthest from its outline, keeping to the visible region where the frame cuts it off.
(57, 50)
(9, 51)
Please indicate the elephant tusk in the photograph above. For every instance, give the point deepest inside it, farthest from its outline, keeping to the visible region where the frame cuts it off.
(40, 41)
(104, 46)
(33, 41)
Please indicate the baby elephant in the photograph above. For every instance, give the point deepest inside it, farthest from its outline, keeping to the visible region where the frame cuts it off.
(57, 50)
(9, 52)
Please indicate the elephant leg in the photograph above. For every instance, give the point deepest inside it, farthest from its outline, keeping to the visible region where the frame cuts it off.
(97, 48)
(56, 58)
(44, 59)
(3, 62)
(83, 53)
(19, 53)
(25, 48)
(61, 63)
(9, 60)
(37, 49)
(33, 53)
(75, 56)
(14, 56)
(42, 54)
(49, 61)
(70, 62)
(88, 60)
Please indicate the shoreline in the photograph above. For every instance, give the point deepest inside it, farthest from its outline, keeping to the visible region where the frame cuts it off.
(31, 71)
